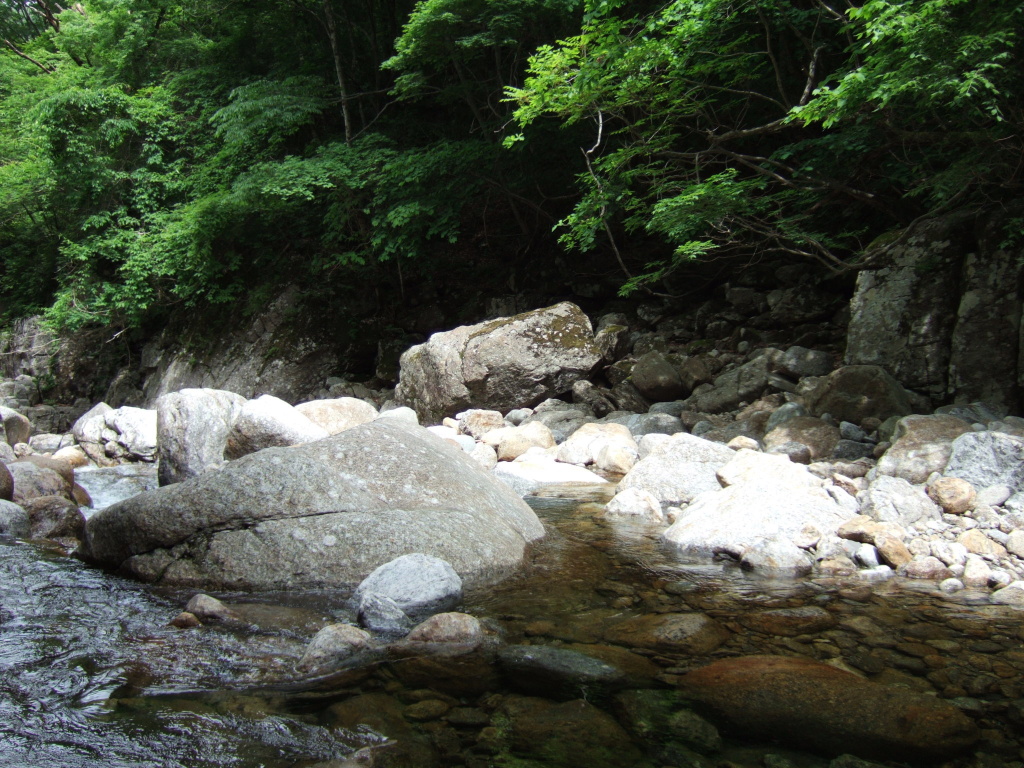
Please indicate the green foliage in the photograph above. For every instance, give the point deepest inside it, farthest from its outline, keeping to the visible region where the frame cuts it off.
(773, 126)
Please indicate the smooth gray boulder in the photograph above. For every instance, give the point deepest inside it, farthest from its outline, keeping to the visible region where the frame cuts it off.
(678, 469)
(322, 514)
(269, 422)
(418, 584)
(192, 431)
(988, 458)
(501, 364)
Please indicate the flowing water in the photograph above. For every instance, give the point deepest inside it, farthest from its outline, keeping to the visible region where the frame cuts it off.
(92, 675)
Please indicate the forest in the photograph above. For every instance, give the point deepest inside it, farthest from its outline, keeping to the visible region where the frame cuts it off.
(157, 155)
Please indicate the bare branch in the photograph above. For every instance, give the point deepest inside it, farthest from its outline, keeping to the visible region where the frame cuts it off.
(17, 51)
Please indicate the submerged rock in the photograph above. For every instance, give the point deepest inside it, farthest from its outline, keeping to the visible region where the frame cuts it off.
(322, 514)
(817, 706)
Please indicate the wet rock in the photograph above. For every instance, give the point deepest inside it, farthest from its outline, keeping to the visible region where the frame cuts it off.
(384, 715)
(573, 734)
(331, 646)
(988, 458)
(456, 669)
(192, 431)
(269, 422)
(427, 710)
(557, 673)
(955, 496)
(789, 622)
(814, 705)
(383, 615)
(691, 633)
(14, 520)
(338, 414)
(636, 504)
(320, 514)
(500, 364)
(32, 481)
(449, 627)
(678, 469)
(776, 557)
(185, 620)
(207, 608)
(922, 445)
(54, 517)
(418, 584)
(656, 717)
(856, 392)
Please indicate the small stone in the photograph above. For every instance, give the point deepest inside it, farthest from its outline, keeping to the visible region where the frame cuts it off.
(450, 627)
(955, 496)
(207, 608)
(1015, 543)
(893, 552)
(429, 709)
(1012, 594)
(382, 614)
(635, 503)
(978, 543)
(976, 572)
(186, 620)
(742, 441)
(951, 585)
(331, 646)
(994, 495)
(926, 568)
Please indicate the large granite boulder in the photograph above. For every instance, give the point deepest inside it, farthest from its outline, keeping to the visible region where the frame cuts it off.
(321, 514)
(758, 517)
(16, 425)
(812, 705)
(501, 364)
(136, 430)
(988, 458)
(192, 431)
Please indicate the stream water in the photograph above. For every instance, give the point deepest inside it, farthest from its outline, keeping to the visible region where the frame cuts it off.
(92, 675)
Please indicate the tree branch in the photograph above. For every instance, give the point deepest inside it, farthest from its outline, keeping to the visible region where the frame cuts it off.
(26, 57)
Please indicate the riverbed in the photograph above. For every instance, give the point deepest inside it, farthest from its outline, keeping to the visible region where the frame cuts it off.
(91, 673)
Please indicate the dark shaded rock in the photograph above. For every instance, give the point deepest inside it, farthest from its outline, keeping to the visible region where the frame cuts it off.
(13, 520)
(663, 717)
(573, 734)
(657, 379)
(54, 517)
(557, 673)
(855, 392)
(6, 483)
(789, 621)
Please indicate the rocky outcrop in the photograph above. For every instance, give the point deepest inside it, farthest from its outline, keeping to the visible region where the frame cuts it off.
(942, 312)
(321, 514)
(501, 364)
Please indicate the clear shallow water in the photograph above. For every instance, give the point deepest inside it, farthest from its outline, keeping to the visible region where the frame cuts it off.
(90, 673)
